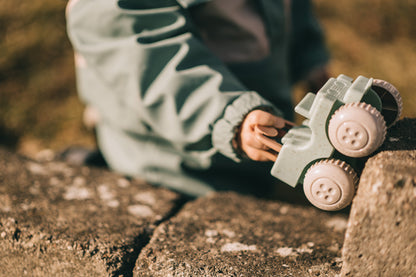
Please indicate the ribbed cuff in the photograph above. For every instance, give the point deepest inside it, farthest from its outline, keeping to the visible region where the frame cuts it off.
(225, 128)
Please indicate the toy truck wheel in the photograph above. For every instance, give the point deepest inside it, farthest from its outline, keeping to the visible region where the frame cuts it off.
(391, 101)
(330, 184)
(357, 129)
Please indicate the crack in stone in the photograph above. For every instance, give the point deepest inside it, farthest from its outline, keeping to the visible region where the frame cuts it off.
(129, 261)
(142, 240)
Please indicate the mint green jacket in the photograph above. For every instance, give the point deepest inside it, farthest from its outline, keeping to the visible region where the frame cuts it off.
(169, 108)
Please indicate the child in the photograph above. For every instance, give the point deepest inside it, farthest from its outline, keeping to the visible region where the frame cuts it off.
(180, 85)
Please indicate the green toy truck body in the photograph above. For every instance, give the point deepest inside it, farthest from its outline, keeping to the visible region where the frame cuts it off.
(344, 122)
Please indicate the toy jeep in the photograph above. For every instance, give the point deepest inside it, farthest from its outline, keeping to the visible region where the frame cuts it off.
(345, 121)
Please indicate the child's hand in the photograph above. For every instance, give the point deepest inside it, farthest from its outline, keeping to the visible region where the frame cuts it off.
(255, 132)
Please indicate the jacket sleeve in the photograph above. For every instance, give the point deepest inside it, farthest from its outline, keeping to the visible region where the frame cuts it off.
(147, 72)
(307, 49)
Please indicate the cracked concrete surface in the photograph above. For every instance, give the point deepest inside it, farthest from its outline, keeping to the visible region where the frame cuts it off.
(57, 220)
(227, 234)
(61, 220)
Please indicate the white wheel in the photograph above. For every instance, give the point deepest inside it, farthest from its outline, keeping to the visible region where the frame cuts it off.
(330, 184)
(357, 129)
(391, 101)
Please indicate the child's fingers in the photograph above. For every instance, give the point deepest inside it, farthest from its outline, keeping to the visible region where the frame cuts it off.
(257, 133)
(269, 156)
(265, 130)
(259, 117)
(260, 155)
(269, 142)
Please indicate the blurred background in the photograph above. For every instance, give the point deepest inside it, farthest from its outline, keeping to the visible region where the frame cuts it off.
(39, 107)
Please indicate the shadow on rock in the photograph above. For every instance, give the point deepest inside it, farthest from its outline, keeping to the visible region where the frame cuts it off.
(401, 136)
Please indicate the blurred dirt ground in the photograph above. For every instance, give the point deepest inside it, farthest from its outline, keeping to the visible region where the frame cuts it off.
(39, 107)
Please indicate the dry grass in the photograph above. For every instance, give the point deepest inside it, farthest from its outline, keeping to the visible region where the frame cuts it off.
(374, 38)
(39, 107)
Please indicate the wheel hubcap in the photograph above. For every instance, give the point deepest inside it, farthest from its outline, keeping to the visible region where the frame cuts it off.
(352, 135)
(326, 191)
